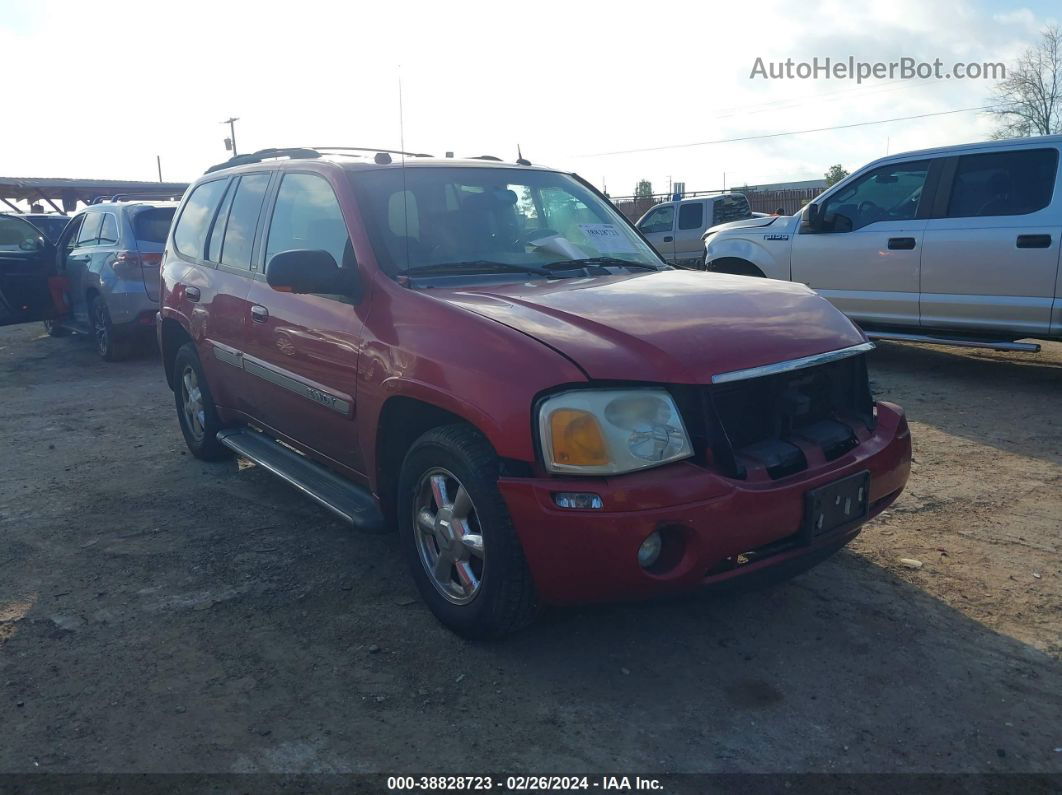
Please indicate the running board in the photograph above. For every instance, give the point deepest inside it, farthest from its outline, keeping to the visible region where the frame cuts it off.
(340, 496)
(961, 342)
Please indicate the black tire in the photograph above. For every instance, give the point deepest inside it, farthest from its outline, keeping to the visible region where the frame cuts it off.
(53, 329)
(505, 600)
(111, 344)
(205, 444)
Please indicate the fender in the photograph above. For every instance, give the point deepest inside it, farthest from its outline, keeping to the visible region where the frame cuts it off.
(770, 256)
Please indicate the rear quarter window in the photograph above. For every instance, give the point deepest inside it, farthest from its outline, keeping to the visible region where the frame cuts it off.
(153, 225)
(189, 236)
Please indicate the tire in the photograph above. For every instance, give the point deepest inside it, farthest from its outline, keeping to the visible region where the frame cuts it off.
(111, 344)
(53, 329)
(200, 427)
(503, 600)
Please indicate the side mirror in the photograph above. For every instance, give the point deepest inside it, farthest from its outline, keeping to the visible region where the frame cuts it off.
(811, 218)
(310, 271)
(31, 244)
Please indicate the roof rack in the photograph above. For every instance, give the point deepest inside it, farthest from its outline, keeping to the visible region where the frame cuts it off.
(295, 153)
(136, 197)
(367, 149)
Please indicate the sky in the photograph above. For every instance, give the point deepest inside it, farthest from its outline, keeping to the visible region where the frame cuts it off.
(109, 87)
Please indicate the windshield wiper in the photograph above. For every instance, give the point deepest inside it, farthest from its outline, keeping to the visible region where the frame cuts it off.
(577, 263)
(475, 266)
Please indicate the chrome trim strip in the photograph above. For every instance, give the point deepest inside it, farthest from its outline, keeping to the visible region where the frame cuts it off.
(792, 364)
(292, 384)
(228, 355)
(959, 342)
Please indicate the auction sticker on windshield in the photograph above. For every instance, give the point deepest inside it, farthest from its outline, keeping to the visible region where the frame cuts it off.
(607, 238)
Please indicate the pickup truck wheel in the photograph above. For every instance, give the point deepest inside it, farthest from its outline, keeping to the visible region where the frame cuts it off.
(195, 406)
(111, 345)
(458, 537)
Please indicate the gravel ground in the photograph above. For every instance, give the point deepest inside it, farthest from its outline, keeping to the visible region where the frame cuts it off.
(162, 614)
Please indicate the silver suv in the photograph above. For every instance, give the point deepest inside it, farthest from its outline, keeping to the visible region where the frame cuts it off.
(108, 260)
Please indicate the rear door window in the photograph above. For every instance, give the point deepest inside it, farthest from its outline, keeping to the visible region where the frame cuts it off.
(152, 226)
(691, 216)
(90, 230)
(242, 221)
(109, 230)
(189, 237)
(1003, 183)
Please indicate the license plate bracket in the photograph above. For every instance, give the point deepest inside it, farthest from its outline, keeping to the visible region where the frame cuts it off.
(844, 502)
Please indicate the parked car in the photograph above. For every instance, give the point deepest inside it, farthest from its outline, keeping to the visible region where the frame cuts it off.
(676, 229)
(958, 244)
(491, 358)
(108, 263)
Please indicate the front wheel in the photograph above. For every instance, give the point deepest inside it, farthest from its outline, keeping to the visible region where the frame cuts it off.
(196, 412)
(458, 538)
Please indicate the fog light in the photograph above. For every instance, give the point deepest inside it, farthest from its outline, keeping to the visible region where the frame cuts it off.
(649, 551)
(579, 500)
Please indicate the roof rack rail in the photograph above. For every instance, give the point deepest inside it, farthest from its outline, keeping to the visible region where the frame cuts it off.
(135, 197)
(486, 157)
(294, 152)
(368, 149)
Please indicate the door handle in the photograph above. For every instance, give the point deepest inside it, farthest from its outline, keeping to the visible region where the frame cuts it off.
(1034, 241)
(668, 239)
(192, 294)
(901, 243)
(259, 314)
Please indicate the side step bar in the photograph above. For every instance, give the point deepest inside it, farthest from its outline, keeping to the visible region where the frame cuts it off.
(340, 496)
(961, 342)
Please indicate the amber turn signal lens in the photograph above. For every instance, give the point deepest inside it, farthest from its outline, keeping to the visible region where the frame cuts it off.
(577, 439)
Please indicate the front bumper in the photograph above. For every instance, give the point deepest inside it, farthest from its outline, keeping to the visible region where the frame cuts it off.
(727, 529)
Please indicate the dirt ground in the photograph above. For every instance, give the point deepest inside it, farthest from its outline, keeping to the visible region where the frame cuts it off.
(165, 615)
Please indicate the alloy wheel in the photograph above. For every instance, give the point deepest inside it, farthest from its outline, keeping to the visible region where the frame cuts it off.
(99, 327)
(192, 404)
(448, 535)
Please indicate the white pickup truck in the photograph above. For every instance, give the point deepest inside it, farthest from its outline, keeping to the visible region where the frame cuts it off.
(958, 245)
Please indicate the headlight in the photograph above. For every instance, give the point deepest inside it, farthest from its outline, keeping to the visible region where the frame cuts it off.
(611, 431)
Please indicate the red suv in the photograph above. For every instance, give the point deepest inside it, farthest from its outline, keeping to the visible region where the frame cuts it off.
(491, 358)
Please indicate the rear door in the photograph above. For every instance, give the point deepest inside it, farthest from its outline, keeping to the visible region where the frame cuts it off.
(212, 299)
(865, 257)
(689, 247)
(990, 261)
(77, 264)
(25, 263)
(302, 350)
(658, 226)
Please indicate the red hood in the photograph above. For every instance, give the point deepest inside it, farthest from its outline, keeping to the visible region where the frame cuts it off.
(669, 327)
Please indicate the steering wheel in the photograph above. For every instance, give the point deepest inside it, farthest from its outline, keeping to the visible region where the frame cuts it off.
(526, 238)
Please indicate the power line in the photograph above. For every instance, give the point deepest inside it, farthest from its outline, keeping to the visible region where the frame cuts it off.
(783, 134)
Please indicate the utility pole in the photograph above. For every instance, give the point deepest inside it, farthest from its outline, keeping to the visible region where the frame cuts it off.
(158, 162)
(231, 121)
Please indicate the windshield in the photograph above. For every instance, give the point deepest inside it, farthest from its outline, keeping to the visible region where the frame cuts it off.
(428, 218)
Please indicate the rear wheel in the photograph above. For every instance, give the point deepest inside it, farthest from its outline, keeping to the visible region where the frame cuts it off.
(459, 540)
(196, 412)
(111, 344)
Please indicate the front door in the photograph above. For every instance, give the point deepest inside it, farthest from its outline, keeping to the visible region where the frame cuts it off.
(689, 246)
(77, 263)
(301, 351)
(25, 263)
(866, 253)
(658, 226)
(991, 261)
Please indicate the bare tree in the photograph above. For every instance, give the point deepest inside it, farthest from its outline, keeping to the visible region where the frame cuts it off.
(1029, 100)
